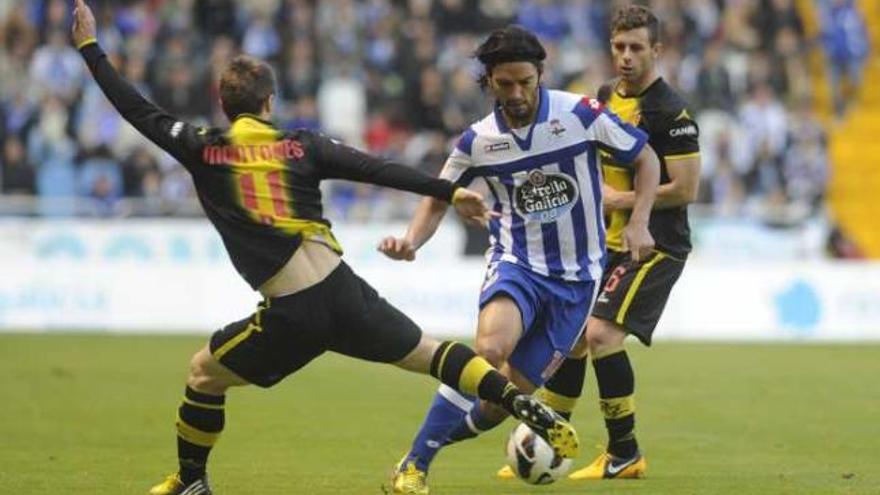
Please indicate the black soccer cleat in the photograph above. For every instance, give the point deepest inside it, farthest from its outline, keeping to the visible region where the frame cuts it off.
(558, 432)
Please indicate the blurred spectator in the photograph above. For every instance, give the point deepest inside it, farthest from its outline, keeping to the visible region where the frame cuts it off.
(766, 125)
(805, 166)
(546, 18)
(342, 107)
(140, 175)
(845, 38)
(16, 174)
(840, 246)
(260, 38)
(100, 180)
(713, 89)
(52, 151)
(57, 68)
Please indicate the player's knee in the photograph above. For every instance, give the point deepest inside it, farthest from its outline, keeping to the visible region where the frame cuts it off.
(488, 349)
(604, 335)
(200, 378)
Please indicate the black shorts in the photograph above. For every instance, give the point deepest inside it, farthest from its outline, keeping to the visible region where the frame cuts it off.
(634, 293)
(342, 313)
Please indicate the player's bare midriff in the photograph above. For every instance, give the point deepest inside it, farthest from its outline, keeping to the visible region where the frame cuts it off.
(311, 263)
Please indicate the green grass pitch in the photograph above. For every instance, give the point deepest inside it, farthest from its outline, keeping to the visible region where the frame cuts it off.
(93, 414)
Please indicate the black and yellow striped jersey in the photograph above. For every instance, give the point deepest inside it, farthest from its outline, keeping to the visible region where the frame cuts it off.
(257, 184)
(673, 134)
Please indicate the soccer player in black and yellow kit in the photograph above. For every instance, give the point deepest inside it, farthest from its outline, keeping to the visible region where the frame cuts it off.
(634, 292)
(259, 187)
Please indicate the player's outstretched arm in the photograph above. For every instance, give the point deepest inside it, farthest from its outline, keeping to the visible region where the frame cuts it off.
(636, 237)
(169, 133)
(422, 227)
(468, 204)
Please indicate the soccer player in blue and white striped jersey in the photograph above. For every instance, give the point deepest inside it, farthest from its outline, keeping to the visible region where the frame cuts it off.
(538, 151)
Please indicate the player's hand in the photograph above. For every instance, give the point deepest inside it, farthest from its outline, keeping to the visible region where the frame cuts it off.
(397, 248)
(638, 241)
(471, 207)
(83, 23)
(611, 198)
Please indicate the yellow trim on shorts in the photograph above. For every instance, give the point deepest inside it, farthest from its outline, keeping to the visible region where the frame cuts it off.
(631, 293)
(682, 156)
(254, 326)
(617, 407)
(234, 341)
(194, 435)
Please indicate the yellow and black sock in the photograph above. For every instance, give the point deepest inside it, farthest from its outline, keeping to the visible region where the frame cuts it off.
(459, 367)
(199, 423)
(564, 388)
(616, 386)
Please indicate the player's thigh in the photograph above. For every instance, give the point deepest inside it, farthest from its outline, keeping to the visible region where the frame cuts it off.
(565, 307)
(499, 329)
(603, 336)
(208, 375)
(635, 294)
(282, 336)
(366, 326)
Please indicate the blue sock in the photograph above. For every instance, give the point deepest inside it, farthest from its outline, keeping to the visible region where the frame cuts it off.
(473, 424)
(447, 411)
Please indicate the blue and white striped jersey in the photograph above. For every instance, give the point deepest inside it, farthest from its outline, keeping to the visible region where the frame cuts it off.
(547, 182)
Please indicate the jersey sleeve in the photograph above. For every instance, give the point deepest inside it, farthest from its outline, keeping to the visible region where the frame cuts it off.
(678, 135)
(180, 139)
(337, 161)
(459, 162)
(620, 139)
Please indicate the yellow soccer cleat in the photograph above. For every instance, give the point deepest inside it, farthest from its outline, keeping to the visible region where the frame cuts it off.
(173, 486)
(505, 473)
(408, 479)
(606, 466)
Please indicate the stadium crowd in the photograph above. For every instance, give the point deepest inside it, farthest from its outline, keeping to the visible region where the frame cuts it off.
(391, 76)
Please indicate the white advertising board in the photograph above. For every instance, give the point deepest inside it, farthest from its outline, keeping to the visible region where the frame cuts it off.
(174, 276)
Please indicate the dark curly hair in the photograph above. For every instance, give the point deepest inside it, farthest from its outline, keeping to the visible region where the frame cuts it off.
(511, 44)
(634, 17)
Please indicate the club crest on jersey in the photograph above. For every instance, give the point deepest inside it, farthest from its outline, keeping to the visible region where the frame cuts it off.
(544, 197)
(556, 127)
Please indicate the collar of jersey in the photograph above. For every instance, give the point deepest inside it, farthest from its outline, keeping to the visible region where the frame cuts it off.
(525, 144)
(252, 117)
(644, 91)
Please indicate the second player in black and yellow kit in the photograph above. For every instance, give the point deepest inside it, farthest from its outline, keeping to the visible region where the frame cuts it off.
(663, 114)
(259, 188)
(634, 292)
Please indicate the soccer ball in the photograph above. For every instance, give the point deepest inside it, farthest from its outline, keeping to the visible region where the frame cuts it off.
(533, 459)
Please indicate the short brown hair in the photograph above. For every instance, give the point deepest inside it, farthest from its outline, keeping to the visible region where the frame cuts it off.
(245, 86)
(634, 17)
